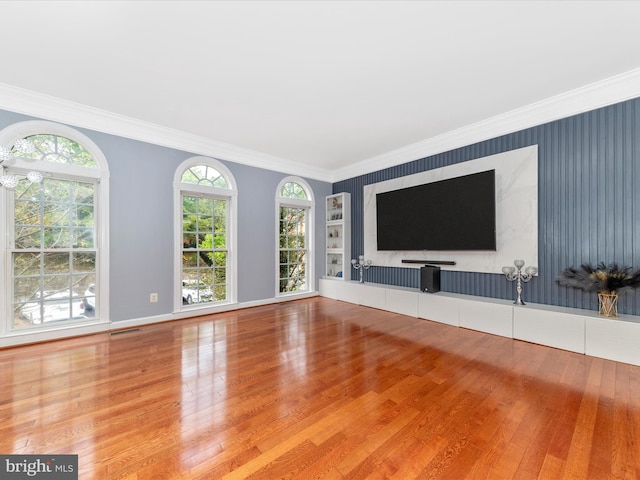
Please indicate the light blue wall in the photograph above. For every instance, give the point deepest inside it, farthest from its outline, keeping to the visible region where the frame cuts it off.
(141, 224)
(257, 229)
(589, 204)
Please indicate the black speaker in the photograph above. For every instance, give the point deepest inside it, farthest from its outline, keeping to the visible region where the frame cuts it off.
(430, 279)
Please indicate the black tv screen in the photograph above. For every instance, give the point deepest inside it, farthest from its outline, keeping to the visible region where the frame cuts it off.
(454, 214)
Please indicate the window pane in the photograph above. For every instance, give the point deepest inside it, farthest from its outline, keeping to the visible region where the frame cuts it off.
(204, 175)
(83, 284)
(86, 284)
(220, 224)
(220, 208)
(220, 292)
(205, 223)
(56, 190)
(82, 237)
(292, 241)
(56, 262)
(189, 205)
(189, 259)
(25, 288)
(205, 241)
(190, 276)
(25, 264)
(28, 191)
(57, 285)
(84, 216)
(82, 193)
(205, 206)
(293, 190)
(220, 259)
(220, 276)
(56, 214)
(220, 241)
(49, 286)
(189, 223)
(27, 213)
(49, 306)
(27, 315)
(189, 240)
(57, 238)
(84, 262)
(205, 258)
(203, 268)
(28, 237)
(53, 148)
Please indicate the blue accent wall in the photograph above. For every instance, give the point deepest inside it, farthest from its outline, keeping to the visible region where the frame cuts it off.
(589, 205)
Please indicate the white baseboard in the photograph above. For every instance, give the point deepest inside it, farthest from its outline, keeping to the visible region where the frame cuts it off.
(27, 337)
(14, 339)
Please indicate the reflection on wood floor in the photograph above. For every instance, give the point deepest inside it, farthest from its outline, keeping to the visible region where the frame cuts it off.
(319, 388)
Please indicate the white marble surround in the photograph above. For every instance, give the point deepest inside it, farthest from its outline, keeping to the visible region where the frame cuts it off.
(516, 214)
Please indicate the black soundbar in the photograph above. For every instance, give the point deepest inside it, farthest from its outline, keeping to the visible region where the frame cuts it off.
(431, 262)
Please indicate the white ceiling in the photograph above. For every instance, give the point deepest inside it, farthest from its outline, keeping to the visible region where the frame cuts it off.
(325, 86)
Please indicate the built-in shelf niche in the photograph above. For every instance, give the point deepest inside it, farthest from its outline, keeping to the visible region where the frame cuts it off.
(338, 236)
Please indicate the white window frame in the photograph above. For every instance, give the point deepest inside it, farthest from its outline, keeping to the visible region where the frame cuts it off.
(231, 195)
(99, 174)
(308, 204)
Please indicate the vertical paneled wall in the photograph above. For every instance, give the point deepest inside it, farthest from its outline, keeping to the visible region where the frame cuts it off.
(589, 204)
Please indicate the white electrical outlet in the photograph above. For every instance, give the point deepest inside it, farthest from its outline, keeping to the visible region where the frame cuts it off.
(153, 297)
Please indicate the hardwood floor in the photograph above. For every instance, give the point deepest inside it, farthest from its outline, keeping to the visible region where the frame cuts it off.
(320, 389)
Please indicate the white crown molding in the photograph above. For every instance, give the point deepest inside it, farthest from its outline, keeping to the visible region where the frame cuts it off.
(595, 95)
(590, 97)
(32, 103)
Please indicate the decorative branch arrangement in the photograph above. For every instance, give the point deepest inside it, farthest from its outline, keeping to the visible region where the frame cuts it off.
(606, 280)
(602, 278)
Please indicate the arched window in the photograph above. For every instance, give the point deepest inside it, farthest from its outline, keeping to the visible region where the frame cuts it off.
(294, 203)
(205, 213)
(56, 251)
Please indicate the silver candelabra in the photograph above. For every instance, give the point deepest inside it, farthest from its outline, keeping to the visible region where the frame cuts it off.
(361, 264)
(515, 273)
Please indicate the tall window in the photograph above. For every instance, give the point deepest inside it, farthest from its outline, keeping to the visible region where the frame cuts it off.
(206, 264)
(295, 265)
(54, 248)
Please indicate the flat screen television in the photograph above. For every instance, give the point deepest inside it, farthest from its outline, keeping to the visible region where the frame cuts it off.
(454, 214)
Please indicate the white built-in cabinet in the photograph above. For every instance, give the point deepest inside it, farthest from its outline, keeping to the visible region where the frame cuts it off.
(581, 331)
(338, 236)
